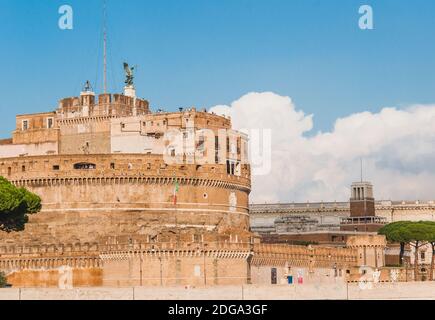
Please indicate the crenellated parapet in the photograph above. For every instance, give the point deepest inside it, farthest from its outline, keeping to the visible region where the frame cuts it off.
(87, 105)
(368, 240)
(95, 255)
(49, 256)
(117, 169)
(214, 250)
(312, 257)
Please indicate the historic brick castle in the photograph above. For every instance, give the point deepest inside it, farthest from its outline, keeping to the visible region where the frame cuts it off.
(132, 197)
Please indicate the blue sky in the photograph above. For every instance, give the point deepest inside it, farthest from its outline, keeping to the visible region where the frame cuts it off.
(210, 52)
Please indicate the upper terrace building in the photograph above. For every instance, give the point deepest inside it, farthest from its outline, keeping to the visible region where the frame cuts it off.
(123, 123)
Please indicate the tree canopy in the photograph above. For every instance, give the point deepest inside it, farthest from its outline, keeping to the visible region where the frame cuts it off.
(408, 231)
(3, 281)
(415, 234)
(431, 231)
(15, 206)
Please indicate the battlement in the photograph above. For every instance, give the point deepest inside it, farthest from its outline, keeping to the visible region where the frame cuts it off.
(96, 249)
(366, 240)
(311, 257)
(47, 249)
(67, 168)
(106, 105)
(262, 253)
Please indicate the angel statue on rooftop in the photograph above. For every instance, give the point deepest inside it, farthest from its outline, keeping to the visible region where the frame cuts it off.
(129, 75)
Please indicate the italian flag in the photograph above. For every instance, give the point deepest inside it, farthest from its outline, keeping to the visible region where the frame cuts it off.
(176, 186)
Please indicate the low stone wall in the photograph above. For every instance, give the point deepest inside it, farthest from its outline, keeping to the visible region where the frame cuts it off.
(394, 291)
(332, 291)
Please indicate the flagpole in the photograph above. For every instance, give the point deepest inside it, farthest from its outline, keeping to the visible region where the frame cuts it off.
(104, 47)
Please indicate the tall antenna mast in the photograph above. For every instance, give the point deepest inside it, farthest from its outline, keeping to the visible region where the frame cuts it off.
(105, 47)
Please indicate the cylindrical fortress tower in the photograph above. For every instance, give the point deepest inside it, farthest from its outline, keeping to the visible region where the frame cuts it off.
(130, 197)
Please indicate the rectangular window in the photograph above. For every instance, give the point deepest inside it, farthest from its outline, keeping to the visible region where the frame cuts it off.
(273, 276)
(216, 149)
(197, 271)
(216, 143)
(49, 123)
(422, 256)
(84, 166)
(25, 124)
(56, 167)
(201, 143)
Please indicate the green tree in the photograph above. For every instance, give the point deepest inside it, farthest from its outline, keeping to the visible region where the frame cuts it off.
(15, 206)
(416, 234)
(397, 232)
(431, 239)
(3, 280)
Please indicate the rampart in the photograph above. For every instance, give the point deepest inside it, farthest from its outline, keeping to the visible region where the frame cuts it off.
(162, 263)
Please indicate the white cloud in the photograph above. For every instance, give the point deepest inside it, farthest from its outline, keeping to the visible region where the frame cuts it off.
(397, 147)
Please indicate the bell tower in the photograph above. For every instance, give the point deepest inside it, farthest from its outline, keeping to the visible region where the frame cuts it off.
(362, 202)
(362, 210)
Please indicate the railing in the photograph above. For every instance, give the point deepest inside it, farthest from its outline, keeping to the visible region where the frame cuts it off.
(363, 220)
